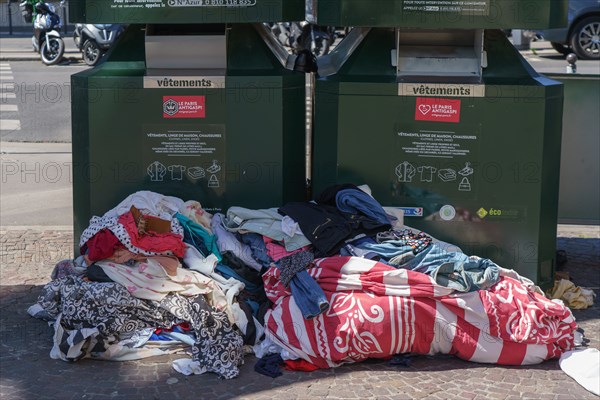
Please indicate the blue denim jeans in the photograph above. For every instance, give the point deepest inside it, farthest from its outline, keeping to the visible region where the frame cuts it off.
(308, 295)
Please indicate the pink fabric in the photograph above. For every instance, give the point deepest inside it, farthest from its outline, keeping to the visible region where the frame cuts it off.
(151, 241)
(170, 264)
(377, 311)
(122, 255)
(277, 251)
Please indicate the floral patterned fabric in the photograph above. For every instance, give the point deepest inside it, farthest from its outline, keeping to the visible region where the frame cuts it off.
(92, 317)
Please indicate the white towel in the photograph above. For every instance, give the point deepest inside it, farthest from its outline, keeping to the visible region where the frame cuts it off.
(584, 367)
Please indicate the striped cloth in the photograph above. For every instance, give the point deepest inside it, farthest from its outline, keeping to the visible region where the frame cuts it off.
(378, 311)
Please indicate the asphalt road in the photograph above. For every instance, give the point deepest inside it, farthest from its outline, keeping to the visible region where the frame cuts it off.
(544, 59)
(42, 98)
(36, 184)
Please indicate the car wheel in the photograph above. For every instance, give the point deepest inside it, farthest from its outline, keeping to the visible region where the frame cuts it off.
(561, 48)
(585, 39)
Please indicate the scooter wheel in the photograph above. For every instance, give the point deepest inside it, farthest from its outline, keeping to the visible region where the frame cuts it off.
(52, 51)
(91, 53)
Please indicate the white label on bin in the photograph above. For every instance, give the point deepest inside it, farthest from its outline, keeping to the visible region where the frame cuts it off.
(438, 89)
(140, 4)
(184, 82)
(211, 3)
(439, 160)
(462, 7)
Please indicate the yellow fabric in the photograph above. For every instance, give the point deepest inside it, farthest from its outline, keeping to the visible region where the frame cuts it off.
(575, 297)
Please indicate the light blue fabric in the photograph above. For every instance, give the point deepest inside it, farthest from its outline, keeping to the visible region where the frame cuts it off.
(266, 222)
(227, 241)
(472, 274)
(451, 269)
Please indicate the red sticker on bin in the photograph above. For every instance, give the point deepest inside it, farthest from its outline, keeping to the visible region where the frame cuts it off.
(184, 107)
(439, 110)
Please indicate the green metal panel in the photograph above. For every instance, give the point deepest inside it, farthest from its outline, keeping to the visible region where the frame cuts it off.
(185, 11)
(247, 149)
(487, 182)
(432, 14)
(579, 196)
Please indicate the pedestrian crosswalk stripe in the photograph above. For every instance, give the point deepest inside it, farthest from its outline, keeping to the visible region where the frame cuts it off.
(8, 107)
(10, 125)
(7, 91)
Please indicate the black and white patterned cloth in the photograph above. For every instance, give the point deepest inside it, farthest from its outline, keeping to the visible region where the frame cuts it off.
(291, 265)
(91, 317)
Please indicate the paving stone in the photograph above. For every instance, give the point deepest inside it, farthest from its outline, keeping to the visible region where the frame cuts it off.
(27, 372)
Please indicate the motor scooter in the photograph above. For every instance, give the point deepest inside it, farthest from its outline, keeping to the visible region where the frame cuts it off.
(94, 40)
(47, 39)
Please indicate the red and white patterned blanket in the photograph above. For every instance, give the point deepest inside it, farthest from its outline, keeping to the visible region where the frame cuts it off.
(377, 311)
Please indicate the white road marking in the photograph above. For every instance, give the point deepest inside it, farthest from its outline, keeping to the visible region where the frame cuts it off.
(9, 107)
(10, 125)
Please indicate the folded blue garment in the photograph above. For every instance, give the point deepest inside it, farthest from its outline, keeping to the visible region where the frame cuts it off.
(355, 201)
(308, 295)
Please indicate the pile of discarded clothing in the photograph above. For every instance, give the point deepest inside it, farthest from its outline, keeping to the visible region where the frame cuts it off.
(318, 284)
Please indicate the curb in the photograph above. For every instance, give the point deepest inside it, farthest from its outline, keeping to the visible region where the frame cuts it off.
(36, 57)
(36, 228)
(23, 58)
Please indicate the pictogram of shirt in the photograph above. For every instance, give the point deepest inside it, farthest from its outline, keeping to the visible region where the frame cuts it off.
(176, 172)
(427, 173)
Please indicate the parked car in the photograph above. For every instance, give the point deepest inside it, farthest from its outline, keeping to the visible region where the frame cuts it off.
(582, 35)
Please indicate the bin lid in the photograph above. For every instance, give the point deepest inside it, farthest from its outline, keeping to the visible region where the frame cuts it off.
(185, 11)
(183, 46)
(435, 14)
(367, 69)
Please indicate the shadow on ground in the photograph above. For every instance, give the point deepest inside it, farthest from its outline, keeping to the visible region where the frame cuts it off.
(28, 373)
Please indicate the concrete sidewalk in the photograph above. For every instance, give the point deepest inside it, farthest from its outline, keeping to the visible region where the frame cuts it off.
(28, 255)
